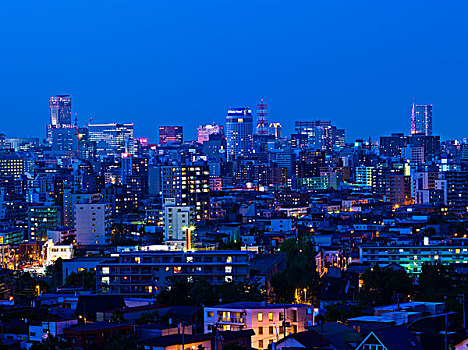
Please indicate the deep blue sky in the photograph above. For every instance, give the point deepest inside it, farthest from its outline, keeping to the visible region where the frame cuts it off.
(357, 63)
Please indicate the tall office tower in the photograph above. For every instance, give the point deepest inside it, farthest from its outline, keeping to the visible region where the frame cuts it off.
(189, 186)
(275, 130)
(170, 134)
(178, 224)
(421, 120)
(262, 119)
(112, 138)
(60, 110)
(204, 131)
(60, 114)
(239, 132)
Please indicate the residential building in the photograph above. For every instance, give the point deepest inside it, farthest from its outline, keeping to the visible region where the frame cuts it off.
(144, 273)
(40, 220)
(412, 257)
(364, 176)
(93, 223)
(178, 224)
(270, 322)
(189, 186)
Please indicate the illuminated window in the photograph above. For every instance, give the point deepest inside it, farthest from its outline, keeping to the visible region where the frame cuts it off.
(260, 317)
(270, 316)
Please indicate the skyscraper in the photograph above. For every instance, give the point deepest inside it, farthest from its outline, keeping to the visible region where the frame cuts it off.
(170, 134)
(60, 114)
(60, 110)
(421, 120)
(239, 132)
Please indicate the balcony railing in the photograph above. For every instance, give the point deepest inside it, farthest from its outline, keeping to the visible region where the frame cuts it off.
(226, 319)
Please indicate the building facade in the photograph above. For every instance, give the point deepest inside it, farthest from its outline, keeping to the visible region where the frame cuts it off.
(143, 274)
(421, 120)
(270, 322)
(171, 134)
(239, 132)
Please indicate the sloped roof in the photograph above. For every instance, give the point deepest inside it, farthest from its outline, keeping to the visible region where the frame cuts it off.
(395, 338)
(310, 339)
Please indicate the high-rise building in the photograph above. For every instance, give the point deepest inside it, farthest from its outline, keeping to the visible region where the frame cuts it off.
(390, 146)
(239, 132)
(60, 114)
(65, 139)
(178, 224)
(421, 120)
(204, 131)
(41, 219)
(275, 130)
(112, 138)
(60, 110)
(11, 165)
(457, 191)
(170, 134)
(93, 223)
(364, 176)
(189, 186)
(319, 134)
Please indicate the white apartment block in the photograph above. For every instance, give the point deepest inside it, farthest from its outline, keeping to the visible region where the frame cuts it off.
(178, 224)
(92, 223)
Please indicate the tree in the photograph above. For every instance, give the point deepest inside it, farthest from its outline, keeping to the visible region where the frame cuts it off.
(231, 245)
(300, 273)
(385, 286)
(83, 279)
(435, 281)
(181, 291)
(117, 316)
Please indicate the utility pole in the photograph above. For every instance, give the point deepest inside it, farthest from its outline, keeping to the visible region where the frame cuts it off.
(446, 342)
(461, 298)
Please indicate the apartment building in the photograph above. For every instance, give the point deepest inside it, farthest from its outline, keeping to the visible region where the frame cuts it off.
(412, 257)
(270, 322)
(143, 273)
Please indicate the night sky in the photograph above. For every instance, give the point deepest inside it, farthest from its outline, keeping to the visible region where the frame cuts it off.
(357, 63)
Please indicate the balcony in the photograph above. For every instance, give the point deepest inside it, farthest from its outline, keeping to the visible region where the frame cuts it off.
(231, 320)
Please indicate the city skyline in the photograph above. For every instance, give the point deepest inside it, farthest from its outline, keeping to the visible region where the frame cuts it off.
(322, 62)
